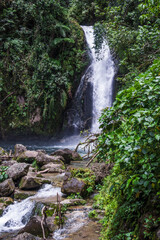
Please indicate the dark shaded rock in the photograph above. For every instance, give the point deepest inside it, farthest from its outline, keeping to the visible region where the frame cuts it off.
(73, 185)
(20, 194)
(7, 188)
(27, 236)
(101, 170)
(68, 155)
(29, 182)
(34, 227)
(43, 159)
(18, 170)
(18, 149)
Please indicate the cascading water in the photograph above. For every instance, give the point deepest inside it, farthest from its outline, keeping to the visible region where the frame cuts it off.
(97, 94)
(17, 215)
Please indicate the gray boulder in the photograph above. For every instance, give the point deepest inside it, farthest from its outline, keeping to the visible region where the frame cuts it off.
(101, 170)
(27, 236)
(30, 182)
(53, 168)
(34, 227)
(27, 156)
(73, 185)
(43, 159)
(4, 202)
(7, 188)
(19, 149)
(68, 155)
(18, 170)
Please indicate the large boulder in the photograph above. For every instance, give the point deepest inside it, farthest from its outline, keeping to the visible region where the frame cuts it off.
(34, 227)
(30, 182)
(27, 156)
(8, 163)
(53, 168)
(7, 188)
(73, 185)
(43, 159)
(18, 170)
(68, 155)
(27, 236)
(19, 149)
(101, 170)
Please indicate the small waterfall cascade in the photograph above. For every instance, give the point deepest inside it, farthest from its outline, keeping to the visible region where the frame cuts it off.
(95, 91)
(18, 214)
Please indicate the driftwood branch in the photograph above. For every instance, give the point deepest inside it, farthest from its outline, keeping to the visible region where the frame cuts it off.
(94, 156)
(6, 97)
(43, 221)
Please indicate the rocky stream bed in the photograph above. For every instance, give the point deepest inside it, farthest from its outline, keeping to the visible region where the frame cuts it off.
(47, 196)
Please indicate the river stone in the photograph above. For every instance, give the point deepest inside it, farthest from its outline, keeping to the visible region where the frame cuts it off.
(68, 155)
(27, 156)
(73, 185)
(53, 168)
(34, 227)
(4, 202)
(8, 163)
(7, 188)
(27, 236)
(29, 182)
(43, 159)
(101, 170)
(17, 170)
(21, 194)
(18, 149)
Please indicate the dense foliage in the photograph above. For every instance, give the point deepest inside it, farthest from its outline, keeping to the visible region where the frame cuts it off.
(130, 139)
(42, 54)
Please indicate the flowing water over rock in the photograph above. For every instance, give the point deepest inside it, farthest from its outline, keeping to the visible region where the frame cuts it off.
(18, 214)
(95, 91)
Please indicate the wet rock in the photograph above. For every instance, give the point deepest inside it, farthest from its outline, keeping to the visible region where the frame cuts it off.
(53, 168)
(73, 185)
(20, 194)
(18, 170)
(8, 163)
(101, 170)
(29, 182)
(34, 227)
(50, 223)
(27, 236)
(68, 155)
(27, 156)
(4, 202)
(73, 202)
(7, 188)
(19, 149)
(43, 159)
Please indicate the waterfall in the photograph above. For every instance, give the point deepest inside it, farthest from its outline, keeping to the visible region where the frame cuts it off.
(95, 91)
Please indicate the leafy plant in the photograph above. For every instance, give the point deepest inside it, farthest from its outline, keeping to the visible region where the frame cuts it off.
(3, 174)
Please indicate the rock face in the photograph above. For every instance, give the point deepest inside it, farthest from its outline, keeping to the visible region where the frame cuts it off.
(43, 159)
(68, 155)
(6, 188)
(53, 168)
(73, 185)
(18, 149)
(18, 170)
(34, 227)
(29, 182)
(27, 236)
(101, 170)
